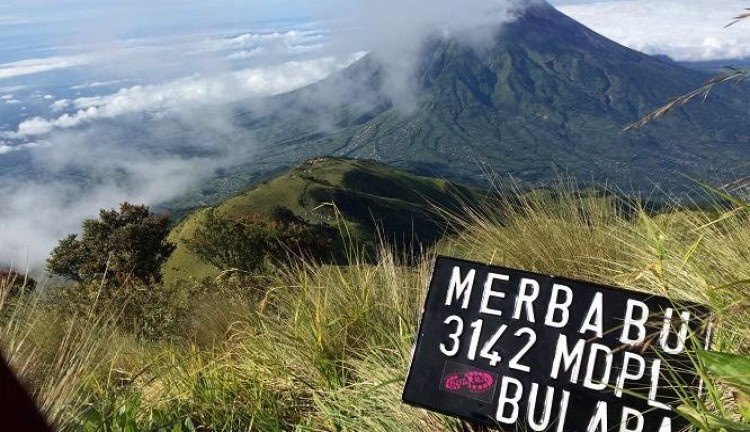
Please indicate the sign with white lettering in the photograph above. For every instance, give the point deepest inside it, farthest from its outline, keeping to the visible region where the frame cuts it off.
(523, 351)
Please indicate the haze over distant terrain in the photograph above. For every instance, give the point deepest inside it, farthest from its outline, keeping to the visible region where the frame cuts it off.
(80, 80)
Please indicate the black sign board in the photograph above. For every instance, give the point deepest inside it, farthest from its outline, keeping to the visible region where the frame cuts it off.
(524, 351)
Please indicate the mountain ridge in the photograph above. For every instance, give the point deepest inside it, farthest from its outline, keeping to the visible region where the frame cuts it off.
(372, 201)
(547, 96)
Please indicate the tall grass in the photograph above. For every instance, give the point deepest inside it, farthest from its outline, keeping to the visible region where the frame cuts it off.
(57, 357)
(326, 348)
(341, 337)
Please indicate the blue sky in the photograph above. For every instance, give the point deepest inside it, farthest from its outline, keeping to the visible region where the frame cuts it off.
(33, 28)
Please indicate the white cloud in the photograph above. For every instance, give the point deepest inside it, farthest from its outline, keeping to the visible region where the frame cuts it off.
(60, 105)
(34, 66)
(12, 89)
(686, 30)
(252, 40)
(263, 50)
(152, 167)
(35, 215)
(115, 55)
(186, 93)
(155, 161)
(95, 84)
(269, 44)
(6, 148)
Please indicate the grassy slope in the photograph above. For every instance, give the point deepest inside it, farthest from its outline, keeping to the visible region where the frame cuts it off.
(366, 194)
(326, 348)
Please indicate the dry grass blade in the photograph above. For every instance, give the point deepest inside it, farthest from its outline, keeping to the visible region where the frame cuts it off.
(738, 75)
(739, 18)
(734, 75)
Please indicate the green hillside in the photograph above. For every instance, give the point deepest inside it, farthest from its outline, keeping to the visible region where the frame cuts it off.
(359, 196)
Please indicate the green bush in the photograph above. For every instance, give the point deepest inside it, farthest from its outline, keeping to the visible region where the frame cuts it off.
(248, 243)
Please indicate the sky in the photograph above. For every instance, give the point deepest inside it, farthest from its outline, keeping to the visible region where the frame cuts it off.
(79, 79)
(685, 30)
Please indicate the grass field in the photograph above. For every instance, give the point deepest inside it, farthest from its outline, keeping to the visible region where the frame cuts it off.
(325, 348)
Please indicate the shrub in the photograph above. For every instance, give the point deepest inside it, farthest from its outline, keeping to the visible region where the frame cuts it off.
(13, 283)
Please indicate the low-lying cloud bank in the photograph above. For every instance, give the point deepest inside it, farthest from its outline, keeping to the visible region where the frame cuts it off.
(83, 170)
(144, 144)
(184, 93)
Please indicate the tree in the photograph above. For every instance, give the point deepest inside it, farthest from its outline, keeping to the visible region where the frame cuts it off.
(129, 244)
(247, 243)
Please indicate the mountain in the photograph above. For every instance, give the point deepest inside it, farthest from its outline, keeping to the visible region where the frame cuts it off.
(716, 66)
(546, 97)
(368, 196)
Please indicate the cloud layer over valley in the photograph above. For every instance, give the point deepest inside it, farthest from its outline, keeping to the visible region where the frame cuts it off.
(196, 90)
(144, 143)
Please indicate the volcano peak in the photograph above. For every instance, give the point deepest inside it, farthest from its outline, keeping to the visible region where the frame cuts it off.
(545, 95)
